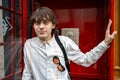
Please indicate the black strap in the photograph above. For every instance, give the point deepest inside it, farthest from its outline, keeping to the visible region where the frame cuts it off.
(64, 53)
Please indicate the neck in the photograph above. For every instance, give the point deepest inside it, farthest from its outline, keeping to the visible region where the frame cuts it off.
(46, 39)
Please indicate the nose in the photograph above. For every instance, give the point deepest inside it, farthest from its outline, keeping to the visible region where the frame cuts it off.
(41, 26)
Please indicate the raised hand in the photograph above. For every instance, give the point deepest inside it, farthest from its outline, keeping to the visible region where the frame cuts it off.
(109, 37)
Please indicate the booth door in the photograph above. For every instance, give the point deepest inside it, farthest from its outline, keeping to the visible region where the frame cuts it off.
(87, 25)
(85, 22)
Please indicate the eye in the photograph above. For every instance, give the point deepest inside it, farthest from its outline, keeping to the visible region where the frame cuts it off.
(46, 22)
(37, 23)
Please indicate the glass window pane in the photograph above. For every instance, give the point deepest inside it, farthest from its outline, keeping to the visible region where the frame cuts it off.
(11, 46)
(17, 5)
(18, 44)
(10, 40)
(5, 3)
(18, 77)
(17, 27)
(5, 28)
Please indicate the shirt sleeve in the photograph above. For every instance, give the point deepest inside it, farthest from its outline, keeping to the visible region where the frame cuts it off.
(27, 75)
(84, 59)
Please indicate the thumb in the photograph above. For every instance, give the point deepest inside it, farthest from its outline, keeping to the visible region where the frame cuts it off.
(113, 34)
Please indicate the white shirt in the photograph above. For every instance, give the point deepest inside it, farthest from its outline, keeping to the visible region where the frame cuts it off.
(38, 58)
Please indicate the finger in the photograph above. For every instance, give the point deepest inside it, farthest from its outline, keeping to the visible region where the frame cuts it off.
(109, 24)
(113, 34)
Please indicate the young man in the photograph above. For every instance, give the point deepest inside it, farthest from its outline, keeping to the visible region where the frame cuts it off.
(43, 57)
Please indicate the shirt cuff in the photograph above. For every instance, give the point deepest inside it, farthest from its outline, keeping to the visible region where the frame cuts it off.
(104, 44)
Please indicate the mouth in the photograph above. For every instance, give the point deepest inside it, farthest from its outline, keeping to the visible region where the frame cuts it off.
(41, 32)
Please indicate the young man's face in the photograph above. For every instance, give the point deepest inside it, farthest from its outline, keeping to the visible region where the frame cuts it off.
(44, 29)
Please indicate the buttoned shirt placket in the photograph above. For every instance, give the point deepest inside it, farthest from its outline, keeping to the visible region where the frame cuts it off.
(47, 48)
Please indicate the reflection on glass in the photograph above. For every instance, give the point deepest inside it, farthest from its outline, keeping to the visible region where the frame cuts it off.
(18, 44)
(0, 2)
(10, 40)
(17, 27)
(1, 49)
(11, 48)
(5, 3)
(7, 27)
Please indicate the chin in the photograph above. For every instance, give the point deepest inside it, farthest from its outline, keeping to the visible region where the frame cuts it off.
(42, 37)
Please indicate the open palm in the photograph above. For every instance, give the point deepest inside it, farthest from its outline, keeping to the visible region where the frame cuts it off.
(109, 37)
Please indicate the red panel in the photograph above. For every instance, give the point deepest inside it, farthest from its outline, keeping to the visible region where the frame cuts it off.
(90, 32)
(91, 17)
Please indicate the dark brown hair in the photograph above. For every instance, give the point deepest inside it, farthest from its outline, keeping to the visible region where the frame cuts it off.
(43, 14)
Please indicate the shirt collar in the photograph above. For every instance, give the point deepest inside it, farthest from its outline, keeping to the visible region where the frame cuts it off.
(51, 41)
(43, 43)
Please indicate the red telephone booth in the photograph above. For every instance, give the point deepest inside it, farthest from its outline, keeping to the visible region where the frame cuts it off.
(88, 18)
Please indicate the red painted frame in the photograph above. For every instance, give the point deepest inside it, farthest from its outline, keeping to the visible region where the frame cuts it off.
(112, 45)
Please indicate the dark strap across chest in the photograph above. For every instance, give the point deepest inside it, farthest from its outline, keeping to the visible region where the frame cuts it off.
(64, 53)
